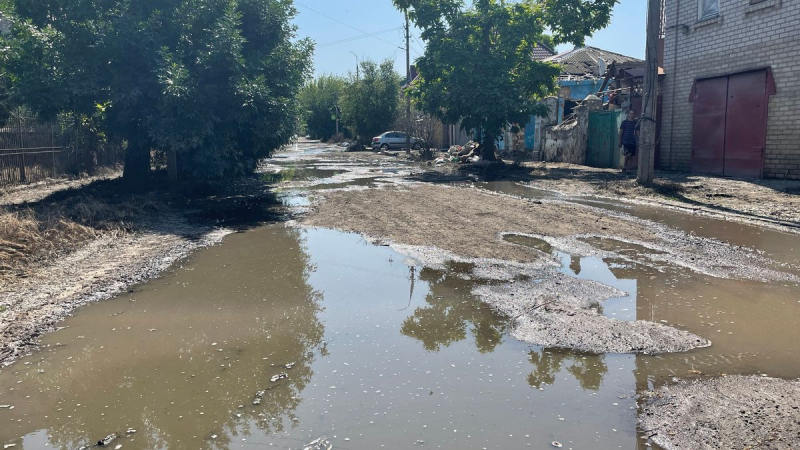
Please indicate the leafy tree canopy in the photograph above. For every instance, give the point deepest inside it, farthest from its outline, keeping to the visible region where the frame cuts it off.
(477, 67)
(370, 103)
(318, 100)
(213, 80)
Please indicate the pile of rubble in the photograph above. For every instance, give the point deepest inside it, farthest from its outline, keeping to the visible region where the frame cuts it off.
(469, 153)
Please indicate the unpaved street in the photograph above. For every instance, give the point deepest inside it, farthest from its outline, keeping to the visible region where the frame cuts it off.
(364, 279)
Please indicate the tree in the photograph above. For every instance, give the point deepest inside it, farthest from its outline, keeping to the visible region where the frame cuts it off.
(370, 103)
(477, 67)
(212, 81)
(317, 99)
(422, 126)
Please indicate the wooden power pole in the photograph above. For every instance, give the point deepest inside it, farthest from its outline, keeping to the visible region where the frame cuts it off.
(647, 132)
(408, 83)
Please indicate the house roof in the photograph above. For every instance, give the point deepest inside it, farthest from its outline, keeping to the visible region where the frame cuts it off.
(584, 62)
(542, 52)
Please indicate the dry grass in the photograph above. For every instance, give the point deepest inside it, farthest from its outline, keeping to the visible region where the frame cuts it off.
(36, 234)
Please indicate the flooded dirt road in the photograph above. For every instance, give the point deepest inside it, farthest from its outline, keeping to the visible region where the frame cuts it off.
(370, 350)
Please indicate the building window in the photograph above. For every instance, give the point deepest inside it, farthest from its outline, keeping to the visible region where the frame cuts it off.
(708, 9)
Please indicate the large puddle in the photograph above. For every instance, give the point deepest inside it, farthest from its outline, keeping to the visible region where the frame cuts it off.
(376, 353)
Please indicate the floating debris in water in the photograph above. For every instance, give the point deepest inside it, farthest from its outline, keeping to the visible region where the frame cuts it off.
(278, 377)
(130, 431)
(556, 444)
(289, 366)
(106, 440)
(259, 396)
(319, 444)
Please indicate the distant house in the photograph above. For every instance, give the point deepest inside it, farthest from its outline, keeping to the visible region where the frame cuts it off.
(584, 71)
(731, 90)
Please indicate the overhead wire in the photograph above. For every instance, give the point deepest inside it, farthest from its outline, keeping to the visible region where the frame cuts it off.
(355, 38)
(374, 35)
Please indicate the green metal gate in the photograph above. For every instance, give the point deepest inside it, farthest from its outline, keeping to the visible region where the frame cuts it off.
(603, 146)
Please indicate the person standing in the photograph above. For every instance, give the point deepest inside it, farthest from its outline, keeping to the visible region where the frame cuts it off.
(628, 139)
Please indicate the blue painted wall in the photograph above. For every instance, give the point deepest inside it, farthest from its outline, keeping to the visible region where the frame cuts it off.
(579, 90)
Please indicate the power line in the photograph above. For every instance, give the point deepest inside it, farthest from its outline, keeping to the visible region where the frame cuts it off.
(355, 38)
(345, 24)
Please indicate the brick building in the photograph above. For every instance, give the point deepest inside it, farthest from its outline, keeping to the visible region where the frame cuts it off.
(731, 95)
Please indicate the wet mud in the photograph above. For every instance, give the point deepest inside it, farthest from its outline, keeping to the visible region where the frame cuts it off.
(735, 412)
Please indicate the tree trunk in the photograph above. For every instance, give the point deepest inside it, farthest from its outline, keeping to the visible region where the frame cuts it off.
(488, 152)
(137, 163)
(172, 165)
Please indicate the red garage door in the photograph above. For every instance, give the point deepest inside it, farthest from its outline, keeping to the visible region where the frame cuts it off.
(730, 124)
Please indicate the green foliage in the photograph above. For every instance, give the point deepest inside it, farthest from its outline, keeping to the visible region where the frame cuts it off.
(477, 67)
(370, 104)
(318, 99)
(571, 21)
(213, 80)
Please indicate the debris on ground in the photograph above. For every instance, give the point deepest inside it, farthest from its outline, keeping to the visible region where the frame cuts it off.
(725, 412)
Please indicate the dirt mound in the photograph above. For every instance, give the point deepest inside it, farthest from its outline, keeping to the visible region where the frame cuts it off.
(734, 412)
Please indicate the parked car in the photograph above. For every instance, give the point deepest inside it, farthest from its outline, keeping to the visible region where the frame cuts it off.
(395, 139)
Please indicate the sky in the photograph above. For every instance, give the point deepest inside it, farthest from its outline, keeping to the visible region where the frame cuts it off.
(342, 29)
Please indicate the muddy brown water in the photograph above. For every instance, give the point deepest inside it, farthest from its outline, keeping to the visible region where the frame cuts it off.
(382, 354)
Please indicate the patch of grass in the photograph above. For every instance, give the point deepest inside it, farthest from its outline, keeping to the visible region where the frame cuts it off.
(668, 189)
(32, 234)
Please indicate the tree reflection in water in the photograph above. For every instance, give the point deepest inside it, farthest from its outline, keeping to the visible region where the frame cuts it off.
(451, 312)
(220, 330)
(589, 369)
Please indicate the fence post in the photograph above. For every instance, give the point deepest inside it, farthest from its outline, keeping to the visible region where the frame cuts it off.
(22, 176)
(53, 148)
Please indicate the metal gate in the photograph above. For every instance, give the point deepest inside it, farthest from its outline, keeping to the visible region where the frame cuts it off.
(603, 146)
(729, 130)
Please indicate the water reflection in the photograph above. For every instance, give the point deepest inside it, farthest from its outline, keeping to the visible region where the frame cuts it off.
(450, 312)
(180, 361)
(588, 369)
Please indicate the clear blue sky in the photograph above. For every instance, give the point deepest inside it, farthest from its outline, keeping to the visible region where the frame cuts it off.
(350, 19)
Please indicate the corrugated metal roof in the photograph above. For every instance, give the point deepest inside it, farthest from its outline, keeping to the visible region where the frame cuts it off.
(584, 62)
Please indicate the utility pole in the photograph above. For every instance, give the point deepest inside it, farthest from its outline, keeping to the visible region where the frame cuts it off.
(408, 83)
(647, 132)
(356, 64)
